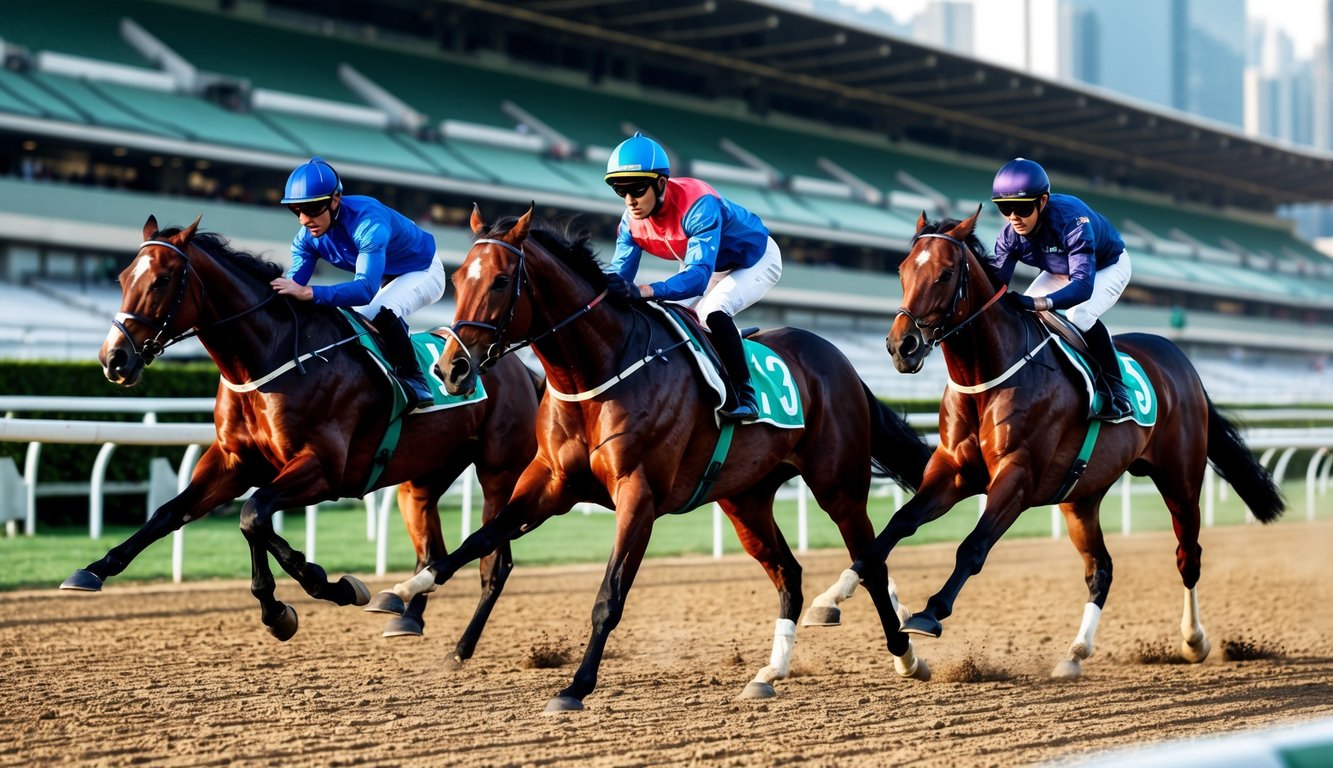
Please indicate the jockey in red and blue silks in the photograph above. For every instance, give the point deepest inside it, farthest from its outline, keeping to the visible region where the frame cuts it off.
(1084, 267)
(393, 261)
(727, 259)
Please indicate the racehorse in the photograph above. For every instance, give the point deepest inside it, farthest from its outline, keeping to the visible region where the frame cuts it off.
(300, 415)
(625, 423)
(1012, 423)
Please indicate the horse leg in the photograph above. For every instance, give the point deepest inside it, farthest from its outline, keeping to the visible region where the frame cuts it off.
(211, 485)
(634, 526)
(751, 515)
(495, 567)
(418, 503)
(1005, 504)
(1182, 500)
(539, 495)
(848, 510)
(1085, 531)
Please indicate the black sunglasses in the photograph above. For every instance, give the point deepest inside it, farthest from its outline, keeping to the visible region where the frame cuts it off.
(1023, 208)
(633, 190)
(311, 209)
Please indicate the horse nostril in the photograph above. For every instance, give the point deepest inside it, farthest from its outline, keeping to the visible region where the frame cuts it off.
(459, 369)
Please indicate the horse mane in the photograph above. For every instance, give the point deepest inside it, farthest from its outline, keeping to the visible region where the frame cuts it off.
(567, 240)
(973, 243)
(218, 246)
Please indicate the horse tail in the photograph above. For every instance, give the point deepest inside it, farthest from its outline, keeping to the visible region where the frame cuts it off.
(896, 450)
(1235, 463)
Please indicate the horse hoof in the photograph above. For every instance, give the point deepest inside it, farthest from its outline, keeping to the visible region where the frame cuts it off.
(758, 690)
(919, 672)
(454, 664)
(1069, 669)
(563, 704)
(822, 616)
(386, 602)
(402, 627)
(360, 595)
(82, 581)
(284, 628)
(921, 624)
(1196, 652)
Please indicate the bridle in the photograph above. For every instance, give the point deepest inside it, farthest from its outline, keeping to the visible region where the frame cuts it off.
(154, 348)
(934, 335)
(497, 348)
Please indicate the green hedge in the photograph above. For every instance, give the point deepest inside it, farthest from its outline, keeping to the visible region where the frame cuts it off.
(73, 463)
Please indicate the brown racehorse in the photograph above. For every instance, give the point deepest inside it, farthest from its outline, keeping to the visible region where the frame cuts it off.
(1012, 423)
(626, 423)
(301, 420)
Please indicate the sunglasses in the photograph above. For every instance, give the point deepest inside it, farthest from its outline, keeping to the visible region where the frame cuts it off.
(311, 209)
(633, 190)
(1023, 208)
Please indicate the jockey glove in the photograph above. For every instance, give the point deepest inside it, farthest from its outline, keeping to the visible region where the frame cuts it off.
(1031, 303)
(620, 288)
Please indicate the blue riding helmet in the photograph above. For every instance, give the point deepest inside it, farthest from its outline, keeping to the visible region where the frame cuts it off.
(637, 157)
(1020, 179)
(315, 180)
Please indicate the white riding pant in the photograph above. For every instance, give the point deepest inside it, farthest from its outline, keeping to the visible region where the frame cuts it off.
(737, 289)
(408, 292)
(1107, 285)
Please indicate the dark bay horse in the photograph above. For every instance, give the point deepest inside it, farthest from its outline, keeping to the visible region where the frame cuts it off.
(626, 423)
(1012, 423)
(300, 414)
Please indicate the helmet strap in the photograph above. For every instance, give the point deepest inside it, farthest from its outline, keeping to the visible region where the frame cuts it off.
(659, 189)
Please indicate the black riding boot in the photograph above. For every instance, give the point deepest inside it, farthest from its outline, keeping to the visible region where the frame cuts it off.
(1115, 398)
(398, 350)
(740, 404)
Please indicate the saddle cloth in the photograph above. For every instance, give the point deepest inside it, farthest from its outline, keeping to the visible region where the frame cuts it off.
(428, 349)
(1141, 393)
(775, 390)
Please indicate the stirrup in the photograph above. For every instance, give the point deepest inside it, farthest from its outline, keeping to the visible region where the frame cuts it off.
(416, 388)
(1114, 407)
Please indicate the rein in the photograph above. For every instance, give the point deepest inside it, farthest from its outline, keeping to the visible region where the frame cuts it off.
(935, 335)
(498, 349)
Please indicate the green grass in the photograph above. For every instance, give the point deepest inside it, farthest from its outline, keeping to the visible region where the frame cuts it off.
(215, 549)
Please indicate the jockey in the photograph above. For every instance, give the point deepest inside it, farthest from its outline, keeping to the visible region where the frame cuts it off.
(393, 262)
(727, 260)
(1084, 267)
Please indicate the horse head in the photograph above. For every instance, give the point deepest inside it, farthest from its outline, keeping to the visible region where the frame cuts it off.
(936, 278)
(493, 311)
(153, 309)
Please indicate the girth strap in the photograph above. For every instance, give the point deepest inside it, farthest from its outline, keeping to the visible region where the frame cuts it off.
(713, 469)
(1080, 464)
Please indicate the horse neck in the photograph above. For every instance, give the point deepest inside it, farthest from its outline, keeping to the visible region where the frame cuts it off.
(248, 346)
(581, 355)
(993, 341)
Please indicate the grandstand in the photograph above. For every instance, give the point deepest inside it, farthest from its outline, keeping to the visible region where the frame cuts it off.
(117, 109)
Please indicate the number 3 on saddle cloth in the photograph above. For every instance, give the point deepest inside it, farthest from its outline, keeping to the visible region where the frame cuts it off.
(428, 349)
(775, 392)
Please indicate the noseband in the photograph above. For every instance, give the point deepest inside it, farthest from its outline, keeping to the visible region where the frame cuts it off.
(935, 335)
(497, 348)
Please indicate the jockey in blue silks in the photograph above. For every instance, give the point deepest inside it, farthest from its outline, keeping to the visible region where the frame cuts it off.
(727, 260)
(393, 262)
(1084, 267)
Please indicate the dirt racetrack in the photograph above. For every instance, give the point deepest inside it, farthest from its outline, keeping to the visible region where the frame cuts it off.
(166, 675)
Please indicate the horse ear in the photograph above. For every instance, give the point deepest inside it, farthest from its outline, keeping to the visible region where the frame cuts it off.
(921, 222)
(150, 227)
(520, 230)
(188, 232)
(478, 224)
(965, 227)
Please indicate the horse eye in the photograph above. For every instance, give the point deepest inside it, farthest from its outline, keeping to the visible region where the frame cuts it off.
(945, 276)
(160, 282)
(501, 283)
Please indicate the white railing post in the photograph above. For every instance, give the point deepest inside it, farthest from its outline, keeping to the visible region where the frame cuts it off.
(1055, 521)
(382, 533)
(802, 516)
(1311, 476)
(1126, 504)
(1209, 495)
(311, 511)
(30, 481)
(717, 531)
(469, 477)
(95, 486)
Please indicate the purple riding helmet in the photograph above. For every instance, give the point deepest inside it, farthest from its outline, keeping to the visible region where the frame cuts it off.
(1020, 179)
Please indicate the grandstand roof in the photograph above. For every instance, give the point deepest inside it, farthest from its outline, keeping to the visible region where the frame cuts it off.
(777, 55)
